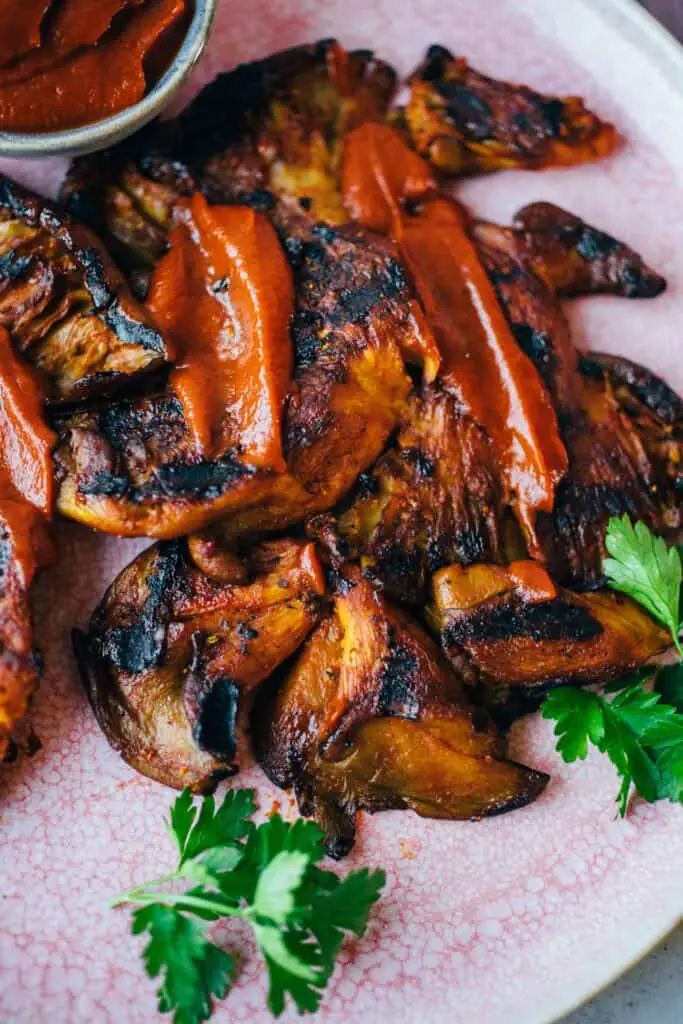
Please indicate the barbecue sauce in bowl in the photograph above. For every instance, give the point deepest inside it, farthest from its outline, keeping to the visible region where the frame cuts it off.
(70, 63)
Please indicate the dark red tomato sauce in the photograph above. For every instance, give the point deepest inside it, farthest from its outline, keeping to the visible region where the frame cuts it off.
(87, 60)
(223, 294)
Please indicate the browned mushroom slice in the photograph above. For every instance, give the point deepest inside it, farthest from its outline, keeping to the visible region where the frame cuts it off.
(171, 656)
(523, 635)
(611, 471)
(371, 717)
(466, 122)
(574, 258)
(656, 413)
(65, 305)
(267, 130)
(432, 499)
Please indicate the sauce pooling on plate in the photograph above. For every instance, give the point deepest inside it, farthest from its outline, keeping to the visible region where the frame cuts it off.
(69, 64)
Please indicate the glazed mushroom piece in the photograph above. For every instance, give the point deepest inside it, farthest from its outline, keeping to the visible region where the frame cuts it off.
(372, 717)
(517, 634)
(174, 652)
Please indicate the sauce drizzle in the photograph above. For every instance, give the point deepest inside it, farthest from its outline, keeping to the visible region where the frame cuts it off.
(388, 187)
(224, 296)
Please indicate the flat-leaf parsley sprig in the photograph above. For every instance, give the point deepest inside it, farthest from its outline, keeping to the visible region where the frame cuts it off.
(266, 875)
(640, 730)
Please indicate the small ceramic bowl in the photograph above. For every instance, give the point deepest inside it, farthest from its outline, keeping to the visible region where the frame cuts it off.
(100, 134)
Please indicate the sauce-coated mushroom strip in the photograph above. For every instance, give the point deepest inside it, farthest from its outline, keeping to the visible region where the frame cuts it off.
(617, 461)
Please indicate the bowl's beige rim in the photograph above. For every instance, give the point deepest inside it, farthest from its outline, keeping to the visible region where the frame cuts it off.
(90, 137)
(650, 36)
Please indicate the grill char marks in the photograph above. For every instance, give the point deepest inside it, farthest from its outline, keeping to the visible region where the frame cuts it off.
(353, 306)
(656, 413)
(171, 655)
(65, 305)
(519, 634)
(574, 258)
(432, 499)
(130, 467)
(466, 122)
(266, 134)
(370, 717)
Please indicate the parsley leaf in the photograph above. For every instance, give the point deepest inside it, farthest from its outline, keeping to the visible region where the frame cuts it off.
(267, 876)
(645, 568)
(640, 733)
(193, 968)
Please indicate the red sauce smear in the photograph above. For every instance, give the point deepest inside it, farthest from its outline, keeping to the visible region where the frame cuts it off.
(84, 73)
(481, 362)
(224, 296)
(20, 26)
(26, 475)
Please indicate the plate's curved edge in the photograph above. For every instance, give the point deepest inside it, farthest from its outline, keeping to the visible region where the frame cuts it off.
(648, 34)
(615, 973)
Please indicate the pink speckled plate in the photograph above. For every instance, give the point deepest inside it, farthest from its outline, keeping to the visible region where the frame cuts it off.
(516, 919)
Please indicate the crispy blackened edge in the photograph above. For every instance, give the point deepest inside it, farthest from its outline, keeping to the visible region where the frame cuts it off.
(101, 278)
(647, 387)
(140, 645)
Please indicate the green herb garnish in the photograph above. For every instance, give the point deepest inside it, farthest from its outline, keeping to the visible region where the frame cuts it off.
(641, 731)
(266, 875)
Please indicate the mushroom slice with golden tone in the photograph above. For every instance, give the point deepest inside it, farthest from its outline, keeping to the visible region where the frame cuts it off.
(522, 634)
(25, 547)
(26, 498)
(65, 305)
(656, 412)
(372, 717)
(465, 122)
(172, 655)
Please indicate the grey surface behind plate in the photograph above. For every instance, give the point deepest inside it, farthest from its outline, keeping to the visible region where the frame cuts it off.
(652, 992)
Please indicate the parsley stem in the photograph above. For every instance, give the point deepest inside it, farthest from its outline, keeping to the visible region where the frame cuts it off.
(172, 899)
(677, 643)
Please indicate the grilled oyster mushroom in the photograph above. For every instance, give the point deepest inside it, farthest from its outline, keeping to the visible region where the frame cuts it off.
(66, 306)
(575, 258)
(656, 413)
(523, 635)
(172, 656)
(268, 131)
(466, 122)
(129, 467)
(611, 471)
(433, 498)
(371, 717)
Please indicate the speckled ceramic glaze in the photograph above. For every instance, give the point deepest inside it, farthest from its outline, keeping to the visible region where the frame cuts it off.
(512, 920)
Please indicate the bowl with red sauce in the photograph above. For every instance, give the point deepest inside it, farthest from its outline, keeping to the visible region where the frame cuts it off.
(79, 75)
